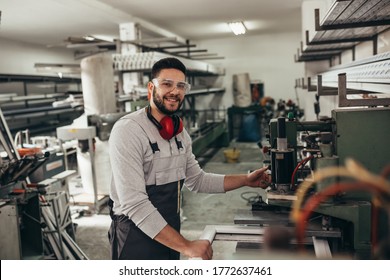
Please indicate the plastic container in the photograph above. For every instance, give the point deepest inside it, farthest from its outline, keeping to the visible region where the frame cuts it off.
(232, 155)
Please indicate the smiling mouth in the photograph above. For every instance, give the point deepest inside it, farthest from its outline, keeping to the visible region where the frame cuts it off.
(172, 99)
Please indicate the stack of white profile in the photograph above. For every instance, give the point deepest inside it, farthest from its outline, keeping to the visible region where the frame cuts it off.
(144, 61)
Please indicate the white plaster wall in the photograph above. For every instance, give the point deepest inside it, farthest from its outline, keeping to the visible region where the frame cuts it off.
(19, 58)
(308, 19)
(384, 42)
(346, 56)
(268, 58)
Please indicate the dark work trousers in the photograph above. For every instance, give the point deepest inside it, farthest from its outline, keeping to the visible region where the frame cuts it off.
(128, 242)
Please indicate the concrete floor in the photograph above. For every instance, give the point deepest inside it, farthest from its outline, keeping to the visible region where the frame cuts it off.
(199, 210)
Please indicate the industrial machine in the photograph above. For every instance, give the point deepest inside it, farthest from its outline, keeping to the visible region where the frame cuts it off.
(329, 197)
(36, 213)
(329, 178)
(92, 157)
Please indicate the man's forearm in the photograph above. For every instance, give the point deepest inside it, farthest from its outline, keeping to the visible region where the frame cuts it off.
(233, 182)
(257, 178)
(169, 237)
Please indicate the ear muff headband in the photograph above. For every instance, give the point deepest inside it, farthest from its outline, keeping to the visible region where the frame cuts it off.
(169, 126)
(152, 119)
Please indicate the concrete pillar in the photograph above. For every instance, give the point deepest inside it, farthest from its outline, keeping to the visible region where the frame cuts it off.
(97, 77)
(128, 32)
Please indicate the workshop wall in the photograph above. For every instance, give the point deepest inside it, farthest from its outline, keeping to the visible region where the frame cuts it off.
(268, 58)
(18, 58)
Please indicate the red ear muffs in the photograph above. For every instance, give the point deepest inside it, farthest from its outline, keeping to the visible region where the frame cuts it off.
(169, 126)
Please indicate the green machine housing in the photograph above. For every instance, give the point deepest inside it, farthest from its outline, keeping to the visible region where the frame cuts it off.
(361, 134)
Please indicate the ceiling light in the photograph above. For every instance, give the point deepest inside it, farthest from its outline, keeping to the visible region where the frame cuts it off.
(237, 27)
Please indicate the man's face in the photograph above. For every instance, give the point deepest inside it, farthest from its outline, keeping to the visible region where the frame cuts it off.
(167, 93)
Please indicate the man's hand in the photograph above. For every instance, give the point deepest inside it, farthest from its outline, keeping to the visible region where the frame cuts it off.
(199, 249)
(259, 178)
(192, 249)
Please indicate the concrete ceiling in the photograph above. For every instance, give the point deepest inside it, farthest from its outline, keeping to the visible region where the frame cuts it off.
(50, 22)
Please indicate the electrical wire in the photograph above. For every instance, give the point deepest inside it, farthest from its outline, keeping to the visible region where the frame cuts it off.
(365, 181)
(352, 169)
(385, 171)
(306, 185)
(297, 96)
(375, 222)
(366, 176)
(301, 163)
(303, 127)
(251, 199)
(313, 202)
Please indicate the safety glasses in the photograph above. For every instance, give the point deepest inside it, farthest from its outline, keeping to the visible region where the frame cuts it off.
(167, 85)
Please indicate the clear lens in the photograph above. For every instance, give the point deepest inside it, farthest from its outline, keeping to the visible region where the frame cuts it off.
(167, 85)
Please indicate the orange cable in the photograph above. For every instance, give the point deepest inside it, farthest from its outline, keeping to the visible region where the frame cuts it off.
(316, 199)
(302, 162)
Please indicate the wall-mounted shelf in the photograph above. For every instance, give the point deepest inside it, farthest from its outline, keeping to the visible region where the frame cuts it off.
(344, 14)
(315, 54)
(190, 99)
(370, 75)
(39, 103)
(202, 91)
(351, 21)
(143, 62)
(171, 46)
(346, 24)
(13, 97)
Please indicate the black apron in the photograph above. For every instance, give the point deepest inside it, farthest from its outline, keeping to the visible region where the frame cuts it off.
(128, 242)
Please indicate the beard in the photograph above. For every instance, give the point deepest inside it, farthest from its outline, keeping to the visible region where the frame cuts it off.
(159, 102)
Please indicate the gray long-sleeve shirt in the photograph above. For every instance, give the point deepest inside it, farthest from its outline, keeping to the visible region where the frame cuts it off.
(132, 164)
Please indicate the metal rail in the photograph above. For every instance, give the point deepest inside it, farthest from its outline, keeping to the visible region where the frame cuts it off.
(255, 234)
(370, 75)
(347, 23)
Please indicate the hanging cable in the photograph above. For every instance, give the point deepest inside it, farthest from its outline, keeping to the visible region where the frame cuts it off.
(253, 198)
(352, 169)
(365, 181)
(305, 185)
(386, 171)
(313, 202)
(301, 163)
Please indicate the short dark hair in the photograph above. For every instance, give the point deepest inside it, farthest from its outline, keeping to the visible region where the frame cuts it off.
(167, 63)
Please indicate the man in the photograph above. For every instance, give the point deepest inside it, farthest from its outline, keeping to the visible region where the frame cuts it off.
(151, 158)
